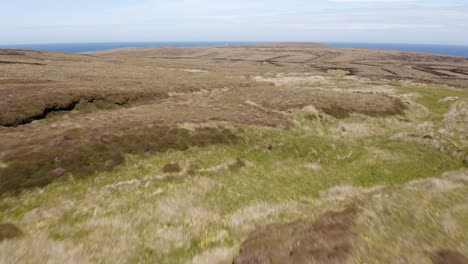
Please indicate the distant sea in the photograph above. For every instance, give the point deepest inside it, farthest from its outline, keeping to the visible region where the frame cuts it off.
(87, 47)
(461, 51)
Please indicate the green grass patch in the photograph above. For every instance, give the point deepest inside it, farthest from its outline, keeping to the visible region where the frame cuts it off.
(278, 167)
(431, 96)
(282, 174)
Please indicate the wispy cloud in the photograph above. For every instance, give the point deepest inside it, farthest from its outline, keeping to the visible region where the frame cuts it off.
(152, 20)
(371, 1)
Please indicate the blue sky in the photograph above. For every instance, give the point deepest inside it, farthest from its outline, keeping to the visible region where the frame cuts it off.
(390, 21)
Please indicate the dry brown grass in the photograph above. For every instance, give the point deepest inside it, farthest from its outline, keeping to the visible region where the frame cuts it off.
(80, 152)
(446, 256)
(172, 167)
(310, 58)
(82, 113)
(9, 231)
(327, 240)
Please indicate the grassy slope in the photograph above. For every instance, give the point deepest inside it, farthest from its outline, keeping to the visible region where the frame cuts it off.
(138, 214)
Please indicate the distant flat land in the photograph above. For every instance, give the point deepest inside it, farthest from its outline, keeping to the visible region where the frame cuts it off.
(284, 152)
(451, 50)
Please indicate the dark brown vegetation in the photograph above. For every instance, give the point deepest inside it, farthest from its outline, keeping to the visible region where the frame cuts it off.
(9, 231)
(172, 167)
(326, 240)
(446, 256)
(38, 102)
(312, 58)
(64, 114)
(81, 152)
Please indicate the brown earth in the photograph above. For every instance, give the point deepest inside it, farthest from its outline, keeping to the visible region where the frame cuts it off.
(326, 240)
(446, 256)
(33, 158)
(311, 58)
(9, 231)
(172, 167)
(78, 113)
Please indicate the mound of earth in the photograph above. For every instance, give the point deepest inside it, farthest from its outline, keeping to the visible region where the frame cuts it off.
(9, 231)
(447, 256)
(326, 240)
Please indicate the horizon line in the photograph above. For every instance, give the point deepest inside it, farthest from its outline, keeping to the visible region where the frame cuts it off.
(228, 41)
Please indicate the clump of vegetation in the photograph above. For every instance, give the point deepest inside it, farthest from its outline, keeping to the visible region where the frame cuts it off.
(238, 164)
(435, 98)
(326, 240)
(79, 155)
(172, 167)
(336, 111)
(447, 256)
(9, 231)
(40, 103)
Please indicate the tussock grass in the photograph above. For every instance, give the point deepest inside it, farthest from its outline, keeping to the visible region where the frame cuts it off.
(150, 216)
(435, 98)
(410, 190)
(82, 155)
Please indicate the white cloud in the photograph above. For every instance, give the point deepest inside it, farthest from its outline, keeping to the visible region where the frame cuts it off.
(153, 20)
(370, 1)
(382, 26)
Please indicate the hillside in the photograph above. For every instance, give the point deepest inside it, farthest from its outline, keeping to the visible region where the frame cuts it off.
(278, 153)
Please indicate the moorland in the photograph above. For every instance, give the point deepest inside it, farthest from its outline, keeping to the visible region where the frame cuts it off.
(273, 153)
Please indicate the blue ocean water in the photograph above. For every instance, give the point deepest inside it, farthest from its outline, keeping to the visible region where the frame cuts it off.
(453, 50)
(461, 51)
(87, 47)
